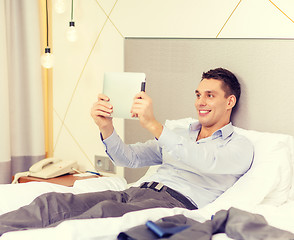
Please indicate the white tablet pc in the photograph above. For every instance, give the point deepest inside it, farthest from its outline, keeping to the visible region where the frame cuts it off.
(121, 88)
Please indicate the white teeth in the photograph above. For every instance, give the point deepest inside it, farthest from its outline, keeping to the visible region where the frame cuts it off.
(203, 111)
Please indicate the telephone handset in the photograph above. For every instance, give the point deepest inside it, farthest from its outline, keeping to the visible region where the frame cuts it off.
(42, 164)
(51, 167)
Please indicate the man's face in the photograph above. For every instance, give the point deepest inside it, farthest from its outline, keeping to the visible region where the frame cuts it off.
(212, 106)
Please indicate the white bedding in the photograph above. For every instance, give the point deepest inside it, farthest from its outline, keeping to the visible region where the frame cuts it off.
(16, 195)
(109, 228)
(267, 188)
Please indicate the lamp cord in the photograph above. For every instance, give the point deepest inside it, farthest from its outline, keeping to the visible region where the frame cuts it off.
(71, 10)
(47, 23)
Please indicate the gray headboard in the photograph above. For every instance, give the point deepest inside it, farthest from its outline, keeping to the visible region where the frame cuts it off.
(264, 67)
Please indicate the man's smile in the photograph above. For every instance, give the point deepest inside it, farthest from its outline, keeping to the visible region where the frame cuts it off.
(204, 112)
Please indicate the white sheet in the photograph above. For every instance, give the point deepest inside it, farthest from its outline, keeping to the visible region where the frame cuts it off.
(264, 189)
(109, 228)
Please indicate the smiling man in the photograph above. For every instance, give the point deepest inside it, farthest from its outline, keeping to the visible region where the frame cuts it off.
(198, 160)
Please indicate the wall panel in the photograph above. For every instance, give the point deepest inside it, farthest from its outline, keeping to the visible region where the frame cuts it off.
(174, 67)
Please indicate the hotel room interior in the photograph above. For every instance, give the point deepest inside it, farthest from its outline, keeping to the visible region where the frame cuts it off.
(54, 54)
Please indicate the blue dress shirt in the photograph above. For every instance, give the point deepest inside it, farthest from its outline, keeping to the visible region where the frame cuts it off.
(200, 170)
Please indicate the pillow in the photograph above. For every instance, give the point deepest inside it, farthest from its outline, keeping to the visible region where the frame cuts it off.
(268, 180)
(274, 151)
(280, 191)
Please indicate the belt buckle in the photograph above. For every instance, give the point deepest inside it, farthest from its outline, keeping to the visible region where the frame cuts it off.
(157, 187)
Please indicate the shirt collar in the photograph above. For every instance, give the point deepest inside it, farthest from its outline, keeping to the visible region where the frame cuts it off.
(227, 130)
(223, 132)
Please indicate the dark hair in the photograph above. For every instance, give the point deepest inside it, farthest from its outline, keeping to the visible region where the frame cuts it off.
(231, 85)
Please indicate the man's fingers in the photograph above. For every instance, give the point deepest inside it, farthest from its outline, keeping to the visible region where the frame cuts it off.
(136, 110)
(134, 115)
(138, 101)
(102, 109)
(103, 112)
(103, 103)
(103, 97)
(141, 95)
(100, 113)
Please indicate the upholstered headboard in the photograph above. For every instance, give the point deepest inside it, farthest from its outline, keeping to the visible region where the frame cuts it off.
(174, 67)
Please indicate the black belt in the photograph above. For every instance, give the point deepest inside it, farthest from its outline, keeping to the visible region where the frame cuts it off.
(178, 196)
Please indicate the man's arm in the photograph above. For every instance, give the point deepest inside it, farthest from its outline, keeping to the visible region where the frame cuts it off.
(135, 155)
(132, 155)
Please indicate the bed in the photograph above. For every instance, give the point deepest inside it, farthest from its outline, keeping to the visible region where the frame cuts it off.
(266, 189)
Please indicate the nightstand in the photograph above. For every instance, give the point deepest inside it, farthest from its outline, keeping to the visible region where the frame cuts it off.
(65, 180)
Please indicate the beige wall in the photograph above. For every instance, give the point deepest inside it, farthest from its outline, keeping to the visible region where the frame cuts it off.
(102, 26)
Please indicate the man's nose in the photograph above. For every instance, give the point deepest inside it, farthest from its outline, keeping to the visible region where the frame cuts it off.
(201, 101)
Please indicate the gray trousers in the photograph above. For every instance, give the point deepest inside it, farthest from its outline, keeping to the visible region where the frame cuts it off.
(50, 209)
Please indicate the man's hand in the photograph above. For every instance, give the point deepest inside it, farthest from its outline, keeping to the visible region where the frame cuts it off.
(143, 109)
(101, 112)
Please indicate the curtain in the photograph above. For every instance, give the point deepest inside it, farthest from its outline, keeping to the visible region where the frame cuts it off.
(21, 96)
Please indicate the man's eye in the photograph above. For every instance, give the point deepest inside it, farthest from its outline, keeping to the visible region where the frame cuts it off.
(210, 96)
(198, 95)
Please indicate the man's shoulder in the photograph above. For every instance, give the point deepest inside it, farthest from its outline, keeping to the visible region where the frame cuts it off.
(241, 135)
(180, 123)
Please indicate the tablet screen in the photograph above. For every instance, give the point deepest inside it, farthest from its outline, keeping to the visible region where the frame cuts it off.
(121, 88)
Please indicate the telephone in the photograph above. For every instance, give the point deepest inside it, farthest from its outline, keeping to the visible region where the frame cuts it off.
(51, 167)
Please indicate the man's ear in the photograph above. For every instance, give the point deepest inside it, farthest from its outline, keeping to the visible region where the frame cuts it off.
(231, 101)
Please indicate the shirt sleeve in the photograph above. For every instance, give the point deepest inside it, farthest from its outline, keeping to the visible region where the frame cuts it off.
(218, 156)
(132, 155)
